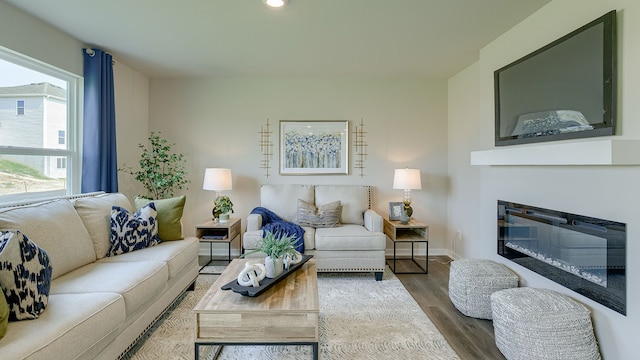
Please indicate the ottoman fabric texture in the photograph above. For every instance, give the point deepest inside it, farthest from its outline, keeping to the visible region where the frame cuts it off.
(472, 281)
(532, 323)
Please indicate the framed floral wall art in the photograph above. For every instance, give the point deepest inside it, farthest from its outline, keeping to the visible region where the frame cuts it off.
(314, 147)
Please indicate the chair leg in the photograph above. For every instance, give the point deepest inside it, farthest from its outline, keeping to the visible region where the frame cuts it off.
(378, 275)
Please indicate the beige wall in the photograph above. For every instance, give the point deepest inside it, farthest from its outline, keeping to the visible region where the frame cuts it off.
(132, 122)
(607, 192)
(29, 36)
(216, 123)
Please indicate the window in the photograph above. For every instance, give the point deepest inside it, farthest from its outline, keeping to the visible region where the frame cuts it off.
(61, 163)
(20, 107)
(39, 150)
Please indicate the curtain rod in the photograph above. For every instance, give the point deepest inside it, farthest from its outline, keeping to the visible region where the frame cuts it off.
(92, 53)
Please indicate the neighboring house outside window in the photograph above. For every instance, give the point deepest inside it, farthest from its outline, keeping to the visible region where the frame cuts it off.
(39, 138)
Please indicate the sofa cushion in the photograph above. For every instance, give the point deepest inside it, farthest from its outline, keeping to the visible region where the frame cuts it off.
(169, 216)
(137, 282)
(57, 228)
(72, 324)
(177, 254)
(25, 275)
(354, 199)
(327, 215)
(4, 315)
(283, 199)
(95, 212)
(349, 237)
(135, 231)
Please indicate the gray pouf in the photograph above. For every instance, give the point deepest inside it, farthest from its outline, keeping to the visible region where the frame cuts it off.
(472, 281)
(531, 323)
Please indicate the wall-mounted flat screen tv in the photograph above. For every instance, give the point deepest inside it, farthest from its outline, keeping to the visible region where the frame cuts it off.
(565, 90)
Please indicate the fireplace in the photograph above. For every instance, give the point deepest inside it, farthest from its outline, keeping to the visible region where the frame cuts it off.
(584, 254)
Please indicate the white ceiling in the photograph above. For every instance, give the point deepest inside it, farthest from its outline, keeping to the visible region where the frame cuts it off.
(310, 38)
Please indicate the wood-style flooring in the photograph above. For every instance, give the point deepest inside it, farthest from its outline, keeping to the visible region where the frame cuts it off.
(472, 339)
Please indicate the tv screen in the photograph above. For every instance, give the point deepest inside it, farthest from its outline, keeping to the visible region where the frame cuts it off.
(565, 90)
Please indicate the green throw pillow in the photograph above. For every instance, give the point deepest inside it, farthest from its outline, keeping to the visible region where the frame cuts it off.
(169, 215)
(4, 314)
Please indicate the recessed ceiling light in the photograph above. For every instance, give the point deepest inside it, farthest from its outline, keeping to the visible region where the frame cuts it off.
(275, 3)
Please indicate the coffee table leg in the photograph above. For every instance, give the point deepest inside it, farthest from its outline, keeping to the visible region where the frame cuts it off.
(315, 351)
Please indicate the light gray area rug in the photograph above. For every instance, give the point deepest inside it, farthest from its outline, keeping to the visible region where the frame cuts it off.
(360, 318)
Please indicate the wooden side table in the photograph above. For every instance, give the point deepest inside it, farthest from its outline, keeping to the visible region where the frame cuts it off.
(414, 232)
(214, 232)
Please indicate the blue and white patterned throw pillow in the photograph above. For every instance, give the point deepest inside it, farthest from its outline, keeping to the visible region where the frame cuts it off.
(131, 232)
(25, 275)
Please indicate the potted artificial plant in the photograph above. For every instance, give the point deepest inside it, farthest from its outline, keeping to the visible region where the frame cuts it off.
(276, 247)
(222, 208)
(161, 172)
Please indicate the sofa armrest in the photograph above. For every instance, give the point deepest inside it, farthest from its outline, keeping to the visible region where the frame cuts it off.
(372, 221)
(254, 222)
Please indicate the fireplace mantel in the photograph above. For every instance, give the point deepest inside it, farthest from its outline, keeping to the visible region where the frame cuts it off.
(595, 152)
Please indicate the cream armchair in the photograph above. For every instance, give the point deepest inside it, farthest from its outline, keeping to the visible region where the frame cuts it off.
(356, 245)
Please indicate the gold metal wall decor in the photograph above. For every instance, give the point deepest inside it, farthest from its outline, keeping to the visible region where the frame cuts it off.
(266, 148)
(360, 147)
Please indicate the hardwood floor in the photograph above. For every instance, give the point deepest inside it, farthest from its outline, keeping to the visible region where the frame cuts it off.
(470, 338)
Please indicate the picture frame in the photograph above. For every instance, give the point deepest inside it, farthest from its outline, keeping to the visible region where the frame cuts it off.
(395, 210)
(314, 147)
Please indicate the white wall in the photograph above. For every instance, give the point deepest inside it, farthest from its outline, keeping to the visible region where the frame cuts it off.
(601, 191)
(216, 123)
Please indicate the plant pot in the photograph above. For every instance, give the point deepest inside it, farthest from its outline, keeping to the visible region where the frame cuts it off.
(404, 217)
(274, 267)
(224, 217)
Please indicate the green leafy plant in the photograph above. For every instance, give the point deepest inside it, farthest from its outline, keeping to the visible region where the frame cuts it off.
(162, 172)
(275, 245)
(222, 205)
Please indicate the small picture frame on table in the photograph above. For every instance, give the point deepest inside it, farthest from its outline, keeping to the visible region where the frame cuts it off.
(395, 210)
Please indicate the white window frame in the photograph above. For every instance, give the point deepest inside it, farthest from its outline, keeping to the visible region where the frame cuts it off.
(73, 153)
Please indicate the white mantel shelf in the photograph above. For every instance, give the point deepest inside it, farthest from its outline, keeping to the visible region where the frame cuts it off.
(595, 152)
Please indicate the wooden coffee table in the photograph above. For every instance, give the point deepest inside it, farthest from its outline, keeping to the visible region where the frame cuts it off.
(285, 314)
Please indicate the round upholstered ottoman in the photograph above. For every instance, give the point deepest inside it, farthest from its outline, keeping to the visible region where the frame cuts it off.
(472, 281)
(531, 323)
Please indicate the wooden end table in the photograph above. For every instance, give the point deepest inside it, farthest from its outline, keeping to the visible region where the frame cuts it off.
(414, 232)
(216, 232)
(285, 314)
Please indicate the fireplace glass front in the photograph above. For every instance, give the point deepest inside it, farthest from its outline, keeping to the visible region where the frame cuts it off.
(584, 254)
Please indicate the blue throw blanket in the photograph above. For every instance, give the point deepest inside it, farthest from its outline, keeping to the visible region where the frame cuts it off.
(274, 224)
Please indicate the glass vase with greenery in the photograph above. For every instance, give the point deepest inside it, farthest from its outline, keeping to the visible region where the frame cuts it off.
(162, 172)
(276, 246)
(222, 205)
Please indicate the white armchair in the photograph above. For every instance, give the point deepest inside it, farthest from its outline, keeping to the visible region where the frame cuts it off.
(356, 245)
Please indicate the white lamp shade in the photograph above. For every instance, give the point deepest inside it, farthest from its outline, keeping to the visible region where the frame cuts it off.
(407, 179)
(217, 179)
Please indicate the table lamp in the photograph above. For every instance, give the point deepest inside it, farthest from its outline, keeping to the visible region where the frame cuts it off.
(407, 179)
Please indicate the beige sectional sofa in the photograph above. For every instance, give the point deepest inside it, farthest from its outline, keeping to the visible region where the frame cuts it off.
(356, 245)
(98, 306)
